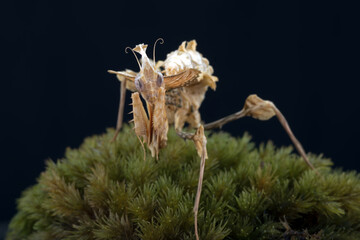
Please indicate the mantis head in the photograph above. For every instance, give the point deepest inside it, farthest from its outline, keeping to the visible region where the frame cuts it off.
(149, 80)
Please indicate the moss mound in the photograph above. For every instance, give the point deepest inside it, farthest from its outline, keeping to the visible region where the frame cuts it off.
(106, 190)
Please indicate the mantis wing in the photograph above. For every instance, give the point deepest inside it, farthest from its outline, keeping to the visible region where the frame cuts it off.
(185, 78)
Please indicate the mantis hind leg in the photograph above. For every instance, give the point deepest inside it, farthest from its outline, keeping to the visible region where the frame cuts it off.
(200, 144)
(263, 110)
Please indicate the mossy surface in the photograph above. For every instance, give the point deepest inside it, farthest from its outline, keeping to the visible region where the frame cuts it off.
(106, 190)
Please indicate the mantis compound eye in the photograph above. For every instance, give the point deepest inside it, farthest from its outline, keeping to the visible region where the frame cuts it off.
(138, 84)
(160, 79)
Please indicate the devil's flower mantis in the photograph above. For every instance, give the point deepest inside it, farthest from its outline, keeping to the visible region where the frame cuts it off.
(173, 91)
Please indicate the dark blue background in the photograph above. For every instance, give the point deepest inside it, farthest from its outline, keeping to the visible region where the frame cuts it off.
(56, 89)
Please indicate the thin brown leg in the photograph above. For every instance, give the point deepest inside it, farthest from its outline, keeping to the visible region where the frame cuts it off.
(121, 109)
(200, 144)
(296, 142)
(198, 193)
(263, 110)
(222, 121)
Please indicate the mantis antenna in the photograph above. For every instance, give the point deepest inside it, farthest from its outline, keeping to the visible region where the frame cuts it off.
(134, 55)
(162, 41)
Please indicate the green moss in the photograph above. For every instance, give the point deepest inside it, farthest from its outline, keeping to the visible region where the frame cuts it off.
(106, 190)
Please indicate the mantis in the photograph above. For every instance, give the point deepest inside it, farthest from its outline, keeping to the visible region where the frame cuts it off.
(173, 91)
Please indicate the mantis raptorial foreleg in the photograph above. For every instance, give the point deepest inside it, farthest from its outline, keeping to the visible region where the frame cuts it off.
(200, 144)
(159, 123)
(121, 109)
(263, 110)
(141, 121)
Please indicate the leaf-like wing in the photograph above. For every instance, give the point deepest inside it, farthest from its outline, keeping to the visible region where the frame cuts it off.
(186, 78)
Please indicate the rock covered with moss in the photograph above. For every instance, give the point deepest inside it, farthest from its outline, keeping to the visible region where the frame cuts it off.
(106, 190)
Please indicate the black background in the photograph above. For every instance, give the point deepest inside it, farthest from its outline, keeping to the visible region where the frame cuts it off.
(56, 89)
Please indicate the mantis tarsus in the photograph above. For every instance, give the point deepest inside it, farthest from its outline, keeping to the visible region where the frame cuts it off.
(173, 91)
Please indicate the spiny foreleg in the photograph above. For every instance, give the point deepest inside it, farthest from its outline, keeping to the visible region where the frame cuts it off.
(141, 121)
(160, 125)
